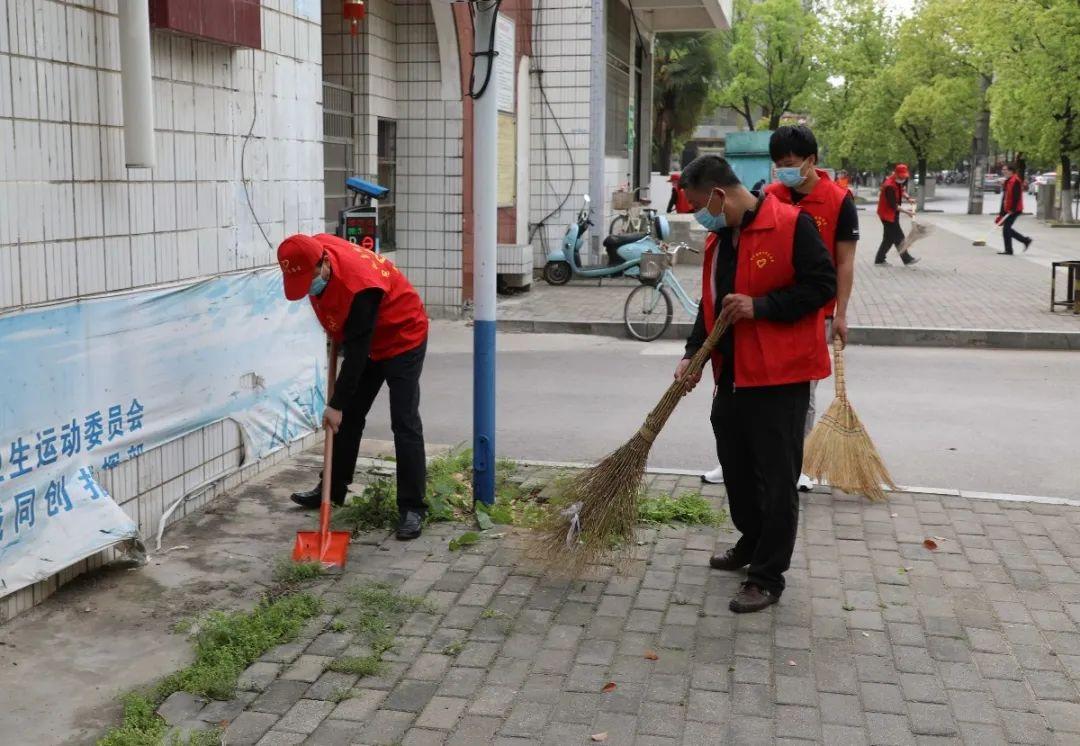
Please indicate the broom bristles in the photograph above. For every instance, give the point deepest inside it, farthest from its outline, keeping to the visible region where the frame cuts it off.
(840, 451)
(607, 494)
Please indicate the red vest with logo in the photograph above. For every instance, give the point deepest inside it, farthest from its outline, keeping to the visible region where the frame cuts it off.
(884, 210)
(1011, 205)
(401, 324)
(767, 353)
(823, 205)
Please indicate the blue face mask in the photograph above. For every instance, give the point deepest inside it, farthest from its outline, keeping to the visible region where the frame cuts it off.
(318, 284)
(790, 176)
(708, 221)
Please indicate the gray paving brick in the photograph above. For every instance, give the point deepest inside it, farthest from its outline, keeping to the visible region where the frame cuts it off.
(330, 685)
(249, 727)
(1051, 685)
(931, 720)
(259, 675)
(885, 698)
(710, 677)
(527, 720)
(281, 738)
(844, 735)
(752, 731)
(752, 699)
(280, 696)
(625, 698)
(874, 669)
(360, 706)
(798, 722)
(973, 707)
(461, 682)
(922, 688)
(1063, 717)
(979, 734)
(305, 716)
(889, 730)
(474, 729)
(307, 668)
(492, 700)
(667, 688)
(387, 727)
(442, 713)
(752, 671)
(1012, 695)
(791, 690)
(913, 660)
(411, 695)
(424, 737)
(180, 707)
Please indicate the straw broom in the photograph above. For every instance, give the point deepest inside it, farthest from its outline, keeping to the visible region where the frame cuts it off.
(601, 503)
(839, 449)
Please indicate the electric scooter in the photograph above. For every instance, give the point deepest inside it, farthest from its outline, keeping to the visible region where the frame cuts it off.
(624, 250)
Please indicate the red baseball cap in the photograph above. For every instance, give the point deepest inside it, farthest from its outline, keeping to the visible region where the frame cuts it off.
(297, 256)
(674, 177)
(902, 170)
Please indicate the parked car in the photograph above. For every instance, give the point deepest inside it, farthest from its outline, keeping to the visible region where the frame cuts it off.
(993, 183)
(1050, 177)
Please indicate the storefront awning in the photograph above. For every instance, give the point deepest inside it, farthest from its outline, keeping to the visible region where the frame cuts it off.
(684, 15)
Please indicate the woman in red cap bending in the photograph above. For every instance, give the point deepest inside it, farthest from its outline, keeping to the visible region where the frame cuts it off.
(377, 318)
(889, 209)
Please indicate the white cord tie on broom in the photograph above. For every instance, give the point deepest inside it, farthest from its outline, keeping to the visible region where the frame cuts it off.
(574, 514)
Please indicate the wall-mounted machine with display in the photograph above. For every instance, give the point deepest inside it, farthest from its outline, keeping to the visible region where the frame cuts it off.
(359, 223)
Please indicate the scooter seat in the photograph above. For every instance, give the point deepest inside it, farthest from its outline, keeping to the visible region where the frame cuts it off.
(622, 239)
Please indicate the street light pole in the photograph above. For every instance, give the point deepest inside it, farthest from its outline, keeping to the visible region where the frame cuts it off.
(485, 208)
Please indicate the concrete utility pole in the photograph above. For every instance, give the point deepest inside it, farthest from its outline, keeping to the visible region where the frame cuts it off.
(597, 120)
(485, 218)
(980, 148)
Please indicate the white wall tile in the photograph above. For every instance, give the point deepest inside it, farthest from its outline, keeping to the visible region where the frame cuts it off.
(141, 207)
(115, 204)
(60, 270)
(88, 210)
(32, 275)
(108, 42)
(81, 37)
(84, 95)
(143, 260)
(164, 207)
(187, 216)
(117, 263)
(167, 258)
(24, 82)
(109, 97)
(188, 254)
(90, 258)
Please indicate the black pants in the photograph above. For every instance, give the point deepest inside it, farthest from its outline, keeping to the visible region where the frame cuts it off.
(759, 441)
(893, 235)
(402, 376)
(1009, 234)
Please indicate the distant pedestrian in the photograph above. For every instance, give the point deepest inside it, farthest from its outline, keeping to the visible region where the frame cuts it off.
(890, 200)
(678, 202)
(1012, 207)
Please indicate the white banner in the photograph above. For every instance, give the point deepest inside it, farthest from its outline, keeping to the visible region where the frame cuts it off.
(90, 384)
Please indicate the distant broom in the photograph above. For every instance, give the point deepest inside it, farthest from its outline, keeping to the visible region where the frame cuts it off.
(600, 509)
(839, 449)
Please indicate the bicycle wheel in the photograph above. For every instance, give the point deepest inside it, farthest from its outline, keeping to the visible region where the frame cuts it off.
(618, 225)
(647, 313)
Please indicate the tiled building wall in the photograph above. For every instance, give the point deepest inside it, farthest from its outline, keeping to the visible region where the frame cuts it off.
(561, 33)
(393, 67)
(74, 222)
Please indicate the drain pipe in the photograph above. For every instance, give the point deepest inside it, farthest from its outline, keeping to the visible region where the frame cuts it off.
(137, 83)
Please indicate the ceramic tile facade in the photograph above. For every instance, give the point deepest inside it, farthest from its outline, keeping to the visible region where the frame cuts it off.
(75, 222)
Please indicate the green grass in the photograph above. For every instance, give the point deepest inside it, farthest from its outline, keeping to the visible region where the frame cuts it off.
(287, 572)
(374, 509)
(378, 612)
(368, 665)
(454, 649)
(689, 508)
(225, 644)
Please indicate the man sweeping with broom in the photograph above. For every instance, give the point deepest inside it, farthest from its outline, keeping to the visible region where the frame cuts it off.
(768, 275)
(372, 311)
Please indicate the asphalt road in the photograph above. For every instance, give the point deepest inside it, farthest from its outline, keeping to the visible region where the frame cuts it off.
(987, 420)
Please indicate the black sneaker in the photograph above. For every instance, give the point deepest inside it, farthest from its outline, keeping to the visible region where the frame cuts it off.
(1027, 244)
(312, 499)
(410, 526)
(750, 598)
(882, 263)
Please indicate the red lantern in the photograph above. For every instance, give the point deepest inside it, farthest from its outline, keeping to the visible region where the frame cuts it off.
(354, 12)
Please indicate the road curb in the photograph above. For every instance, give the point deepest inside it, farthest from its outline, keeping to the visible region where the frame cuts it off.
(874, 336)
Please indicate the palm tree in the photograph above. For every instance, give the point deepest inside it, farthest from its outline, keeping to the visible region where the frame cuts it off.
(686, 73)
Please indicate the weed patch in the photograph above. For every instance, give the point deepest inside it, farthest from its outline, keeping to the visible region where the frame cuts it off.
(689, 508)
(368, 665)
(289, 573)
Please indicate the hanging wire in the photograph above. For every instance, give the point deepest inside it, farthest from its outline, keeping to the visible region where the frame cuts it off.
(489, 53)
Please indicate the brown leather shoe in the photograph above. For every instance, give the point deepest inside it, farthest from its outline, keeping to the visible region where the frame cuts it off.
(727, 561)
(751, 598)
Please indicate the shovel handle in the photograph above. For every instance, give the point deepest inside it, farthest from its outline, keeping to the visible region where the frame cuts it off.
(328, 454)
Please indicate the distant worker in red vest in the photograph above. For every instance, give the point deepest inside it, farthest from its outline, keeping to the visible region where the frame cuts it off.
(1012, 207)
(890, 198)
(768, 274)
(843, 181)
(678, 201)
(369, 308)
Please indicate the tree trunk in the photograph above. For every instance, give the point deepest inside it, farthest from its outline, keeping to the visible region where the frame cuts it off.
(1066, 188)
(980, 146)
(921, 203)
(747, 114)
(774, 120)
(667, 140)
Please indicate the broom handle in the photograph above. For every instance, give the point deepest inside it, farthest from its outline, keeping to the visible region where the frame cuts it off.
(328, 452)
(658, 417)
(838, 369)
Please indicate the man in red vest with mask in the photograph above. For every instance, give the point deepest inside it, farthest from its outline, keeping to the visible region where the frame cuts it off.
(369, 308)
(768, 274)
(794, 153)
(1012, 207)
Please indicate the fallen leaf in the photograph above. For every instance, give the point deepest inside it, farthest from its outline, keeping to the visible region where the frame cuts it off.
(792, 663)
(609, 687)
(599, 736)
(929, 543)
(650, 655)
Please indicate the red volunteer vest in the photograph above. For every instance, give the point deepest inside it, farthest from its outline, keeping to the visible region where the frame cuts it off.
(884, 211)
(401, 324)
(1010, 205)
(823, 205)
(767, 353)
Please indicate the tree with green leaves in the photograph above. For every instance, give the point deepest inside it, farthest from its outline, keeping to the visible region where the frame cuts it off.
(769, 64)
(686, 73)
(1035, 96)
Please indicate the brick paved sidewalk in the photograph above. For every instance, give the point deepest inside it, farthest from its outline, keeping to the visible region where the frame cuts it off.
(955, 286)
(878, 640)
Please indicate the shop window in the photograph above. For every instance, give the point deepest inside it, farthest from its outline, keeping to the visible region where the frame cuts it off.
(387, 177)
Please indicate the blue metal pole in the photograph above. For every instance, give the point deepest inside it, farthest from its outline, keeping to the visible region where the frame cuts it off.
(485, 206)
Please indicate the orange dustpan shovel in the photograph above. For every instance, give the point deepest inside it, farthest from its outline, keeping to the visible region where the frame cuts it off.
(325, 546)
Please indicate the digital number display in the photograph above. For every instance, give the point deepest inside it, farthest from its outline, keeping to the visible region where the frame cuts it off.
(362, 231)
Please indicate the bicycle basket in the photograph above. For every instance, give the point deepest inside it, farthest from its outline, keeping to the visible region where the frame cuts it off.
(653, 265)
(621, 200)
